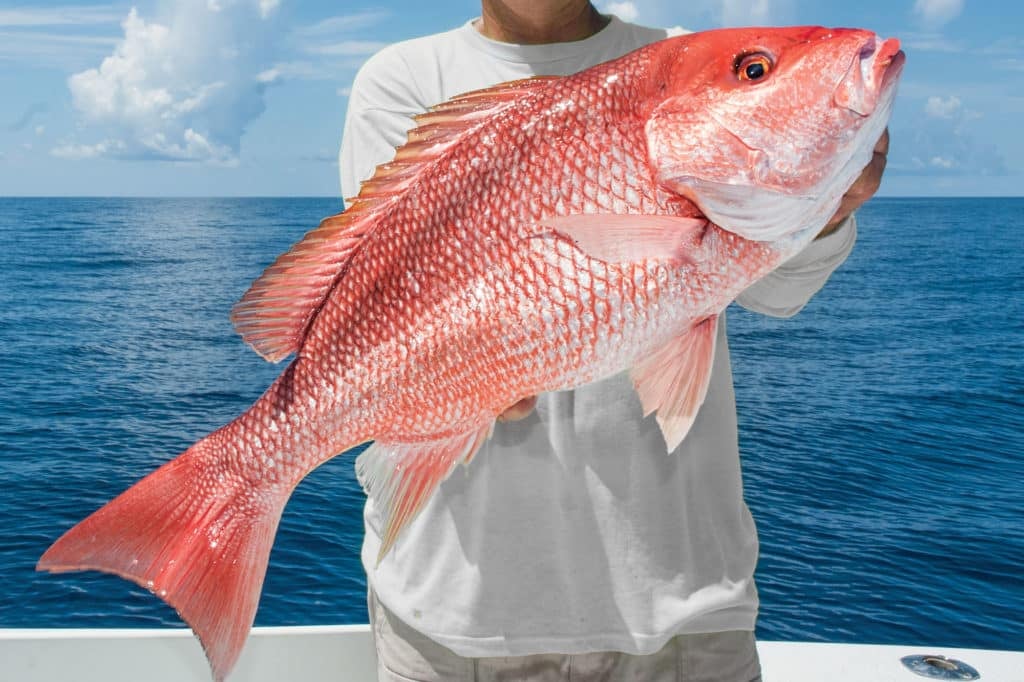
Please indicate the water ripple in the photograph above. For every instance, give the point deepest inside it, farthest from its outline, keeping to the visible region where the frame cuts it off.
(881, 429)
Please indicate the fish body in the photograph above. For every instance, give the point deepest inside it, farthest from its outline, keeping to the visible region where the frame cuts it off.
(531, 237)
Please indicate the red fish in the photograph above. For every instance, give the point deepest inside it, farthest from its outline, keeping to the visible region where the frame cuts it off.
(530, 237)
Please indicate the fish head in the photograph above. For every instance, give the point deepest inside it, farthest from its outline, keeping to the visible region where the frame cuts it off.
(765, 129)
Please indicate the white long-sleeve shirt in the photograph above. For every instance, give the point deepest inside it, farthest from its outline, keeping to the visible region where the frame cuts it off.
(572, 530)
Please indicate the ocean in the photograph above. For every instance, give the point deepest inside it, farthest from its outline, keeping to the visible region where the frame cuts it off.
(881, 429)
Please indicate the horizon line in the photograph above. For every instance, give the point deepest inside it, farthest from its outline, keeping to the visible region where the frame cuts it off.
(339, 198)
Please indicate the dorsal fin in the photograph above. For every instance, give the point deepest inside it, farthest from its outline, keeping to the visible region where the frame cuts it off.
(275, 312)
(440, 127)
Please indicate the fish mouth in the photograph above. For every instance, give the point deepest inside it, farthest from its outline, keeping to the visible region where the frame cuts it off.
(873, 71)
(894, 66)
(888, 62)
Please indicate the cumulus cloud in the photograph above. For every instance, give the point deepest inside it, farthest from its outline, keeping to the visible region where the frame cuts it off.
(938, 107)
(267, 7)
(88, 151)
(944, 143)
(182, 86)
(934, 13)
(269, 76)
(627, 11)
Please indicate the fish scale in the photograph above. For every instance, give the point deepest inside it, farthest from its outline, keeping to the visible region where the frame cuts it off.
(531, 237)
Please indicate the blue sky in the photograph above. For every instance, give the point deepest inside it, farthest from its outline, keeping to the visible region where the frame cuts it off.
(247, 97)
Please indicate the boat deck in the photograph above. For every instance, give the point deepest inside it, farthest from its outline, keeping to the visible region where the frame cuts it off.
(345, 653)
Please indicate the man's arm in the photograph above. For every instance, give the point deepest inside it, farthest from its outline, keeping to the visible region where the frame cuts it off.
(786, 290)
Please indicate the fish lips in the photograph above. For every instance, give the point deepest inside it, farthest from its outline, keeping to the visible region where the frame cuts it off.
(872, 72)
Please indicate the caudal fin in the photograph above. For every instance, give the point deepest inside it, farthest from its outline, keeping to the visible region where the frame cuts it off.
(198, 540)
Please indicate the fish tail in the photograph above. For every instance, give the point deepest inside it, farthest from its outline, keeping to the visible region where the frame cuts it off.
(198, 539)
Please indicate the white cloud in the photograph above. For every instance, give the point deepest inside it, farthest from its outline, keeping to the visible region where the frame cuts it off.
(60, 16)
(328, 49)
(88, 151)
(180, 87)
(1009, 53)
(700, 13)
(267, 7)
(937, 107)
(268, 76)
(936, 13)
(947, 145)
(627, 11)
(40, 48)
(348, 48)
(740, 13)
(298, 70)
(932, 42)
(754, 12)
(1010, 47)
(344, 23)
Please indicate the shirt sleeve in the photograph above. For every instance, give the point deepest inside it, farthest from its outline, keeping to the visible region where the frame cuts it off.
(383, 100)
(788, 288)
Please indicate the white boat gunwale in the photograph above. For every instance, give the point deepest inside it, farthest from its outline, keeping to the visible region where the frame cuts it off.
(345, 653)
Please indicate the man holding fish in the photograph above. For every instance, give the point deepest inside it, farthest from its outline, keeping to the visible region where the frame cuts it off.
(573, 548)
(571, 237)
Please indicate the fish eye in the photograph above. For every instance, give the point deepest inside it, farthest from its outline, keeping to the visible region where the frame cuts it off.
(753, 66)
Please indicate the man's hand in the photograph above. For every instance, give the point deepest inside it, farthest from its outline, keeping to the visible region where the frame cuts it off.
(519, 410)
(863, 188)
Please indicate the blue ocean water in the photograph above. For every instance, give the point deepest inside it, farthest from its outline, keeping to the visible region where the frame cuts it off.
(882, 429)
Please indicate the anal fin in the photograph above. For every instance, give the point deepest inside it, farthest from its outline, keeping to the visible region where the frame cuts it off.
(401, 477)
(673, 380)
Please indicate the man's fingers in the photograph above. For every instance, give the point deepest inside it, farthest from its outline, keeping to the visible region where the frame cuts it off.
(882, 146)
(869, 181)
(864, 187)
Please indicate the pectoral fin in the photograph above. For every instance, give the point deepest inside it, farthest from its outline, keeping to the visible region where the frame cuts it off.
(673, 380)
(618, 238)
(401, 477)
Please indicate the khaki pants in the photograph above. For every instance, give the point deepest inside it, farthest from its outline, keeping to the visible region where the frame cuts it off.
(404, 655)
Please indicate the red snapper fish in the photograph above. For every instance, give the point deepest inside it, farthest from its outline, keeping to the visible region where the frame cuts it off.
(530, 237)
